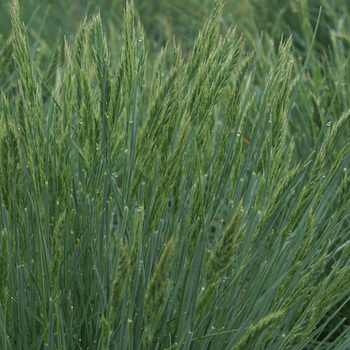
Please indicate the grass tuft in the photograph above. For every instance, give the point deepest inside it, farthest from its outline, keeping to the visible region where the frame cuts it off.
(194, 196)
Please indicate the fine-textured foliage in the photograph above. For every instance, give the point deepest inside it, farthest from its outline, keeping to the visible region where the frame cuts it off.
(194, 200)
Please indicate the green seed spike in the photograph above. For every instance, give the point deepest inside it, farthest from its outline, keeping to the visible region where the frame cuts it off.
(155, 294)
(120, 279)
(4, 270)
(225, 250)
(255, 331)
(56, 248)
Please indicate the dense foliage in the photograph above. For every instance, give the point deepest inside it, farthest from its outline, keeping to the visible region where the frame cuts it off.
(186, 193)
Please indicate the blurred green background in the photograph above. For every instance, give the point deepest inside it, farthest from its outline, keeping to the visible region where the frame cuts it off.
(163, 19)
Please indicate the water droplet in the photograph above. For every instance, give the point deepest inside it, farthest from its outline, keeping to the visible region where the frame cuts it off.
(96, 148)
(238, 133)
(107, 116)
(291, 60)
(328, 124)
(115, 175)
(131, 121)
(270, 120)
(81, 122)
(345, 169)
(140, 38)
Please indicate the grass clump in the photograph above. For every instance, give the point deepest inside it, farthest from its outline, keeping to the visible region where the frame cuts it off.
(193, 200)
